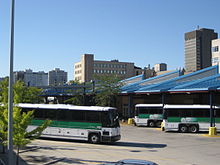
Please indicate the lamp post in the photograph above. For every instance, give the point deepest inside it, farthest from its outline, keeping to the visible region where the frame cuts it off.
(10, 90)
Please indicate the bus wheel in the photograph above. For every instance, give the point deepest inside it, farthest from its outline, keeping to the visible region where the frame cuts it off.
(151, 123)
(183, 128)
(94, 138)
(193, 128)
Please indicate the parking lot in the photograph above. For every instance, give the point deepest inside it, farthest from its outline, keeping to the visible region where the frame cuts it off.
(136, 143)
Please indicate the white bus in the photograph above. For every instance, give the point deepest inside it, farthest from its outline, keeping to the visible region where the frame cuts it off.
(189, 118)
(92, 123)
(148, 115)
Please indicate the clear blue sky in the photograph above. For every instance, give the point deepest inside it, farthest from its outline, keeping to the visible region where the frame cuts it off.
(55, 33)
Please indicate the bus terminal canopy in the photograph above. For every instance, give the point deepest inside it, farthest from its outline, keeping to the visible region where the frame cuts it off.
(207, 79)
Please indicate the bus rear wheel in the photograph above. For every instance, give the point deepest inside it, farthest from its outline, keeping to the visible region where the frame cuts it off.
(193, 129)
(151, 123)
(183, 128)
(94, 138)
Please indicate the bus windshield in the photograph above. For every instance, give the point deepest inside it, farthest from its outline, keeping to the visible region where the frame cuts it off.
(110, 118)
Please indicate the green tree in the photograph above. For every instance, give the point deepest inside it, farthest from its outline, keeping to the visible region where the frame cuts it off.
(21, 137)
(77, 99)
(107, 89)
(78, 95)
(24, 94)
(21, 120)
(3, 126)
(74, 82)
(4, 91)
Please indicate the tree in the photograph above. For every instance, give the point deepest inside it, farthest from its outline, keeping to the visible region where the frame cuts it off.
(3, 126)
(77, 99)
(22, 93)
(107, 89)
(21, 120)
(4, 91)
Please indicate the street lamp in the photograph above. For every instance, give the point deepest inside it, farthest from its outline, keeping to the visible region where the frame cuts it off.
(10, 91)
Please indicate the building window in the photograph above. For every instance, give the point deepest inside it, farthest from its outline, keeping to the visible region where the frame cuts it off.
(215, 49)
(215, 60)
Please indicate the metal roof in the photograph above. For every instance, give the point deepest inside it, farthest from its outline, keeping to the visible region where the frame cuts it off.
(207, 83)
(132, 80)
(181, 80)
(205, 79)
(153, 80)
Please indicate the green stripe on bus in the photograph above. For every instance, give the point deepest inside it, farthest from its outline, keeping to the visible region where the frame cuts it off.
(151, 116)
(142, 116)
(191, 119)
(64, 124)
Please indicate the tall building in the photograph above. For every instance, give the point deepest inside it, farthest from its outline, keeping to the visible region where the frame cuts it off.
(198, 49)
(160, 67)
(31, 78)
(215, 52)
(85, 70)
(57, 77)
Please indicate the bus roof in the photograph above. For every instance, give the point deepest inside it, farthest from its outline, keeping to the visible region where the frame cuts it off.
(149, 105)
(63, 106)
(193, 106)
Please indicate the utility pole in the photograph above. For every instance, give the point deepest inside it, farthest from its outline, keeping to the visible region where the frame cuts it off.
(10, 91)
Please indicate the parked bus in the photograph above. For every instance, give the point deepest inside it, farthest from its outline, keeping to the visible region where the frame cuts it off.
(189, 118)
(148, 115)
(92, 123)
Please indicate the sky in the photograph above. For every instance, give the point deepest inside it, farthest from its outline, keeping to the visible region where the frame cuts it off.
(55, 33)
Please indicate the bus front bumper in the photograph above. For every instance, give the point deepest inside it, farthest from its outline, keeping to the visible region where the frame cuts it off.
(111, 138)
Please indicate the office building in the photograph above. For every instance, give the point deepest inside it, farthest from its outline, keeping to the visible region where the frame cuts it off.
(31, 78)
(57, 77)
(85, 70)
(215, 52)
(198, 49)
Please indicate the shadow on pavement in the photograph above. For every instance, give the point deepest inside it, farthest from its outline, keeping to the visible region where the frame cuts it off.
(45, 160)
(141, 145)
(123, 144)
(4, 159)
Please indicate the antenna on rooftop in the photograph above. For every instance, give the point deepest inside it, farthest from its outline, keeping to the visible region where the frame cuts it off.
(197, 27)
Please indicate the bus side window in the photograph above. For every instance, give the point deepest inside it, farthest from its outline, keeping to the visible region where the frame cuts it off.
(61, 115)
(77, 115)
(155, 111)
(50, 114)
(187, 112)
(105, 119)
(38, 114)
(206, 113)
(92, 116)
(174, 112)
(143, 110)
(217, 113)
